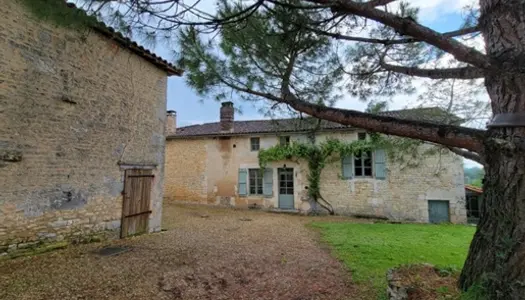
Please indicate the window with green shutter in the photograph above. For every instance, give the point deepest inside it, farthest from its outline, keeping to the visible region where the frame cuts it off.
(363, 164)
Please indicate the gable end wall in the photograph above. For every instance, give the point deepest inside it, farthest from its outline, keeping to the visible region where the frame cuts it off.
(75, 110)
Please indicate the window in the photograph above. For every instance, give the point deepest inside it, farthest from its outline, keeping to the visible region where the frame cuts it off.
(255, 181)
(284, 140)
(361, 136)
(363, 164)
(255, 144)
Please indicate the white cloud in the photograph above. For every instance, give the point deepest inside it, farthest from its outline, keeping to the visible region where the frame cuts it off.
(431, 10)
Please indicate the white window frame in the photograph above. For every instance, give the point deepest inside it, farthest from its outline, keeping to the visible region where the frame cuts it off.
(252, 139)
(363, 167)
(258, 177)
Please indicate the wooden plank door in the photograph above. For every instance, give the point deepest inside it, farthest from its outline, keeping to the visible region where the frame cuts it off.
(136, 203)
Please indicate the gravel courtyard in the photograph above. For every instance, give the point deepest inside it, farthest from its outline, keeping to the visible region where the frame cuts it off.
(205, 253)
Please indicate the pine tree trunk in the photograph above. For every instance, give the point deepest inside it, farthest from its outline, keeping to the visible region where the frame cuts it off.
(496, 259)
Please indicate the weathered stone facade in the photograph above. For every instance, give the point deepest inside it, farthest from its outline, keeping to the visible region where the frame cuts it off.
(205, 170)
(77, 109)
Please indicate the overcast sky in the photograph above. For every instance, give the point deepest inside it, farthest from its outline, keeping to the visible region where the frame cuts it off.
(440, 15)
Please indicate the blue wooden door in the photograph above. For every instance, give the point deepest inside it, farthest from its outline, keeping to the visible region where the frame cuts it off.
(438, 211)
(286, 188)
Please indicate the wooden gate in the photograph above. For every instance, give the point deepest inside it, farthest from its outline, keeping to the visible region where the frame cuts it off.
(137, 200)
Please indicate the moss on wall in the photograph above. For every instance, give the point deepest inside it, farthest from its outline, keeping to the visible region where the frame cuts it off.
(59, 13)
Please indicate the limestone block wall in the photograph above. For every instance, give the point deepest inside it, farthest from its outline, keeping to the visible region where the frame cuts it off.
(76, 110)
(205, 170)
(186, 176)
(405, 192)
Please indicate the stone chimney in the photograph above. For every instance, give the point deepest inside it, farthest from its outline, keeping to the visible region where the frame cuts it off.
(227, 113)
(171, 122)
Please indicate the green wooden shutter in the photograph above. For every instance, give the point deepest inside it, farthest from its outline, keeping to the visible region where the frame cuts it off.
(347, 165)
(268, 183)
(380, 164)
(243, 173)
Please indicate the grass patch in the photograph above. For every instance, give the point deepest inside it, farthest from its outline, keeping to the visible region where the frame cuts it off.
(369, 250)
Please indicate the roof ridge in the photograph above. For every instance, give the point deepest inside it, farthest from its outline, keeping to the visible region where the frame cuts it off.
(258, 120)
(284, 119)
(289, 125)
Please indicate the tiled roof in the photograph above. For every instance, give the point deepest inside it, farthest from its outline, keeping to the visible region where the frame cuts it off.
(474, 189)
(125, 42)
(432, 114)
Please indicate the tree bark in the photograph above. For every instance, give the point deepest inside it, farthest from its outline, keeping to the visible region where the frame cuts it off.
(496, 260)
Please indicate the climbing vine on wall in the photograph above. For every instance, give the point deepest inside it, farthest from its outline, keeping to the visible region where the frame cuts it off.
(317, 156)
(406, 152)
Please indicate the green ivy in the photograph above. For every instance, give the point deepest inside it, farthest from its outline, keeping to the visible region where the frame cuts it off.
(405, 152)
(317, 156)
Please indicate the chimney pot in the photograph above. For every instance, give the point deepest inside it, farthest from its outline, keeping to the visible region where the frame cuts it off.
(171, 122)
(227, 116)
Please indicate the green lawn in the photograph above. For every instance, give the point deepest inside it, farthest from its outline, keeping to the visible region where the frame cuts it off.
(369, 250)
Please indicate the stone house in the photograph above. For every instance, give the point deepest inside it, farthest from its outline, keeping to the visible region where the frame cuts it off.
(82, 119)
(217, 163)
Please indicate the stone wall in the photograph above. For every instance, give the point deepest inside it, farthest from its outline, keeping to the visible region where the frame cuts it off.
(405, 192)
(206, 171)
(76, 111)
(185, 178)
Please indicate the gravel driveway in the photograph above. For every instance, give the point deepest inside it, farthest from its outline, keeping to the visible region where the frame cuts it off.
(206, 253)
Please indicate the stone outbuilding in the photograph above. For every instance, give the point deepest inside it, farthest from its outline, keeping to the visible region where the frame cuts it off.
(474, 198)
(217, 163)
(82, 119)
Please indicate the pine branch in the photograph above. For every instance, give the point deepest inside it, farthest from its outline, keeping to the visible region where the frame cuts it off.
(375, 3)
(447, 135)
(450, 73)
(387, 42)
(467, 154)
(409, 27)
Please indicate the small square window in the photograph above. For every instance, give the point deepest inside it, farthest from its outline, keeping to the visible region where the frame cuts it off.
(284, 140)
(255, 144)
(361, 136)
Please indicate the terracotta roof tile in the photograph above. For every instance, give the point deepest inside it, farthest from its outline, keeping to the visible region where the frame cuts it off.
(474, 189)
(432, 114)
